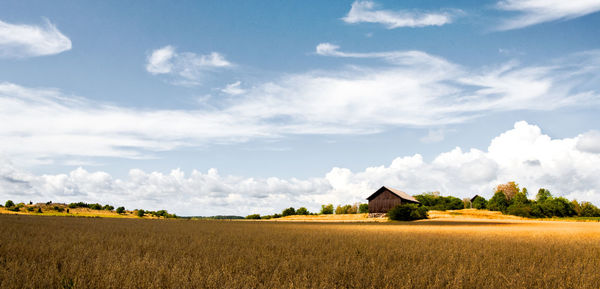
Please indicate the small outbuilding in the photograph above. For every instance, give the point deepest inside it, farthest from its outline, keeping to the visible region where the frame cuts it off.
(382, 200)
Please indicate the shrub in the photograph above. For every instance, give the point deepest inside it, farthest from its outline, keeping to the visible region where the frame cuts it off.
(120, 210)
(253, 217)
(58, 209)
(39, 210)
(108, 207)
(140, 213)
(363, 208)
(326, 209)
(288, 212)
(407, 212)
(9, 204)
(302, 211)
(30, 209)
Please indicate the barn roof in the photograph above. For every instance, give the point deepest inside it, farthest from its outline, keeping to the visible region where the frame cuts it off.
(398, 193)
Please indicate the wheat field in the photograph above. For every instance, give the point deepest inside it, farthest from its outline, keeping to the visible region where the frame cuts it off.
(69, 252)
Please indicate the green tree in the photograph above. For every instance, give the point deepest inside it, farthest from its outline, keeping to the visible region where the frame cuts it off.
(9, 204)
(108, 207)
(363, 208)
(407, 212)
(521, 198)
(302, 211)
(345, 209)
(479, 203)
(288, 212)
(543, 195)
(96, 206)
(589, 210)
(120, 210)
(253, 217)
(498, 202)
(433, 201)
(327, 209)
(141, 213)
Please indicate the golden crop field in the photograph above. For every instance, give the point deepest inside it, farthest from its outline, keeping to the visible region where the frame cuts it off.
(70, 252)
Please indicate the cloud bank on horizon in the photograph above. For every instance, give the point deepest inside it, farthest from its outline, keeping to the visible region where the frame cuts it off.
(567, 167)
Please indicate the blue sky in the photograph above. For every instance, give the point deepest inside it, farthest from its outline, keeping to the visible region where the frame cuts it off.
(270, 102)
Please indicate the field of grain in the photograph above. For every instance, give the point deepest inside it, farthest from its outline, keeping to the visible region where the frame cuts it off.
(69, 252)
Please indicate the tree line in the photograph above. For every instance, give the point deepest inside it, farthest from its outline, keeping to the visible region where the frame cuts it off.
(511, 200)
(49, 206)
(507, 198)
(327, 209)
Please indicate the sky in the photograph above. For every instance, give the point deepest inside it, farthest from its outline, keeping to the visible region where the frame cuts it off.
(240, 107)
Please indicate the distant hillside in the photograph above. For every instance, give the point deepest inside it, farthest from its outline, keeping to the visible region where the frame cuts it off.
(80, 209)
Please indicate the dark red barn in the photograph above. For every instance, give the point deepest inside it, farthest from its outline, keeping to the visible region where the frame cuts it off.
(382, 200)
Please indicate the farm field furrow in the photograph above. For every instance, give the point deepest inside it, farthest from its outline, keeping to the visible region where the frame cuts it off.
(69, 252)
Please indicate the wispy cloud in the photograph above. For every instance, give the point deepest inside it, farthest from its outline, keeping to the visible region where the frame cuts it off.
(366, 12)
(533, 12)
(234, 88)
(20, 40)
(523, 154)
(433, 136)
(187, 68)
(402, 88)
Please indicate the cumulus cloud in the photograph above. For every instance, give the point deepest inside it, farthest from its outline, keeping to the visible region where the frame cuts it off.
(20, 40)
(590, 142)
(533, 12)
(559, 166)
(408, 88)
(366, 12)
(187, 68)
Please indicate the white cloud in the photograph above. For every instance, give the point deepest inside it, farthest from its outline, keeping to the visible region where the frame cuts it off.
(434, 135)
(589, 142)
(234, 88)
(533, 12)
(159, 61)
(187, 68)
(559, 166)
(19, 40)
(366, 12)
(410, 88)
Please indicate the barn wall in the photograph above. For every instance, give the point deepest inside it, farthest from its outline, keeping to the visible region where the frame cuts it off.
(384, 202)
